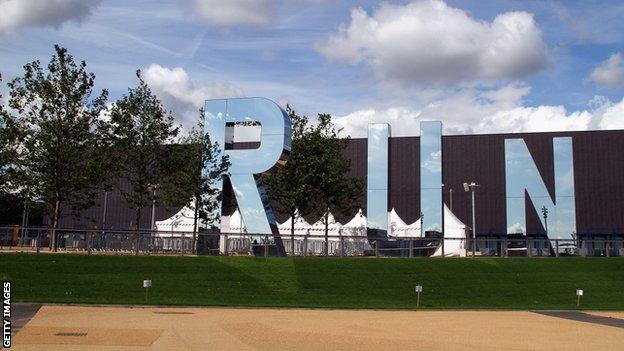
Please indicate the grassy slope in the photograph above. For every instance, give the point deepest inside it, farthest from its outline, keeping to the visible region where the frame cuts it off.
(510, 283)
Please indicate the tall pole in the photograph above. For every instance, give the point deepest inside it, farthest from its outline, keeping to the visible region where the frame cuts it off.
(474, 246)
(451, 196)
(545, 214)
(104, 211)
(153, 210)
(24, 214)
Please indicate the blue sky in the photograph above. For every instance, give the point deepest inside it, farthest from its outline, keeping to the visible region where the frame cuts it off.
(479, 66)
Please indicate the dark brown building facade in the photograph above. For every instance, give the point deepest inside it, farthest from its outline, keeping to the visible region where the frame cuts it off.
(598, 181)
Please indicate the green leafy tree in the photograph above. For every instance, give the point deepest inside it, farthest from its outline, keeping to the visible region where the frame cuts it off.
(314, 180)
(57, 135)
(290, 187)
(334, 190)
(204, 169)
(10, 194)
(7, 142)
(142, 132)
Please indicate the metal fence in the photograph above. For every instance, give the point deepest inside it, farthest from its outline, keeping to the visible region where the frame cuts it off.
(96, 241)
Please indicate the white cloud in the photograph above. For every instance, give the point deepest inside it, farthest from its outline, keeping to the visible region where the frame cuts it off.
(609, 73)
(183, 96)
(612, 116)
(243, 13)
(249, 13)
(471, 111)
(19, 14)
(428, 42)
(516, 228)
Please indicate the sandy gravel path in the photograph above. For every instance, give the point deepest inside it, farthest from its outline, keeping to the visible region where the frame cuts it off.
(124, 328)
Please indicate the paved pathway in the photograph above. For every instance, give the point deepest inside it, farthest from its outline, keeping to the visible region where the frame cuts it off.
(21, 314)
(150, 328)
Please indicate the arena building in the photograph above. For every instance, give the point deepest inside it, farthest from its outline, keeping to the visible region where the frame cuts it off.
(556, 185)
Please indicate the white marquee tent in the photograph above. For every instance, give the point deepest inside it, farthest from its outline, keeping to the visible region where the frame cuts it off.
(454, 230)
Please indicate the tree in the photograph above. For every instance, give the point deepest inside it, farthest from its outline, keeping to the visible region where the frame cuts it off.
(57, 135)
(334, 190)
(10, 194)
(142, 132)
(314, 179)
(7, 142)
(204, 169)
(289, 187)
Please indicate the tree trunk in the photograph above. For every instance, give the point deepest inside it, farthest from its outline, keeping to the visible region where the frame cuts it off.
(23, 231)
(55, 217)
(137, 233)
(327, 233)
(292, 233)
(195, 226)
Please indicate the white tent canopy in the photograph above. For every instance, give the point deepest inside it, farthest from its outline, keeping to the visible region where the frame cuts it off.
(333, 227)
(236, 224)
(399, 229)
(454, 229)
(182, 221)
(301, 225)
(356, 226)
(454, 236)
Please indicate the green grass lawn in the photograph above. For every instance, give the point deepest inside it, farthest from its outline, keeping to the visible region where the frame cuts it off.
(481, 283)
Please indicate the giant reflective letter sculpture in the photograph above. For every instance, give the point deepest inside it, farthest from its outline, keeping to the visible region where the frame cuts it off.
(377, 179)
(247, 165)
(521, 173)
(431, 176)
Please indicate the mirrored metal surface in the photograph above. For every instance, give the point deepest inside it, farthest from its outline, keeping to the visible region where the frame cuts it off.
(377, 179)
(516, 223)
(431, 175)
(275, 144)
(558, 217)
(563, 225)
(214, 125)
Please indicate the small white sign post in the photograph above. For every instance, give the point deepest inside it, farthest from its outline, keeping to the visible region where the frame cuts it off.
(418, 291)
(147, 284)
(579, 293)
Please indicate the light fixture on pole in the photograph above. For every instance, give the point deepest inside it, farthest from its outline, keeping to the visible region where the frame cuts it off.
(472, 187)
(105, 208)
(451, 199)
(153, 219)
(545, 214)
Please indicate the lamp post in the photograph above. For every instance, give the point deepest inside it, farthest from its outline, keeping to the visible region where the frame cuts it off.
(545, 214)
(451, 199)
(152, 223)
(104, 210)
(472, 187)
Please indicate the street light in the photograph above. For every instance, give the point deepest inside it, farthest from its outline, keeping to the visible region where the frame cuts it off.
(451, 199)
(153, 220)
(104, 210)
(471, 187)
(545, 214)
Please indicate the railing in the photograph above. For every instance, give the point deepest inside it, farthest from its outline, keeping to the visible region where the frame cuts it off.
(98, 241)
